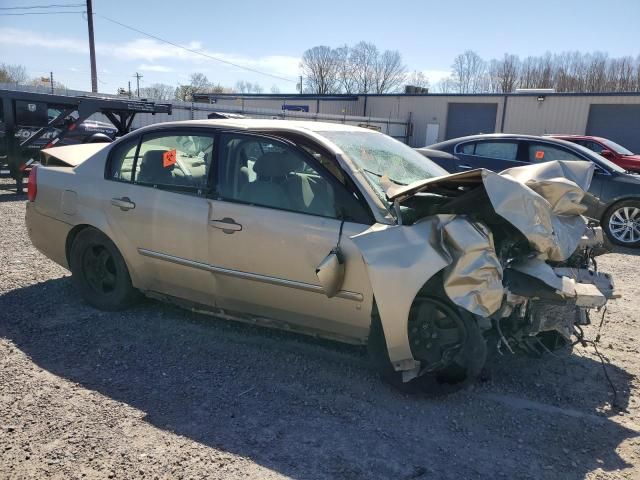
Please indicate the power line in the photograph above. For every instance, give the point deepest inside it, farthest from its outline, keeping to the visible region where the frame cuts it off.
(53, 5)
(39, 13)
(196, 51)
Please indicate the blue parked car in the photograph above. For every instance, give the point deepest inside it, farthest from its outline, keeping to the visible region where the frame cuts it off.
(615, 193)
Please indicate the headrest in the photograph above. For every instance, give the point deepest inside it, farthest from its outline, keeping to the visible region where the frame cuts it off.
(275, 164)
(153, 158)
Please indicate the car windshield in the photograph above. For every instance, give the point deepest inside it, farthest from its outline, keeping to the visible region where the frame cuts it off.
(619, 149)
(378, 155)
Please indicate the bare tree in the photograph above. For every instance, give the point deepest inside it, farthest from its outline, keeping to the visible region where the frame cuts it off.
(158, 91)
(503, 73)
(364, 59)
(390, 73)
(346, 72)
(198, 83)
(469, 71)
(447, 85)
(417, 79)
(319, 67)
(274, 89)
(13, 73)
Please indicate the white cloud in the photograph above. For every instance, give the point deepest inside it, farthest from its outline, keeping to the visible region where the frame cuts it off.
(149, 50)
(154, 68)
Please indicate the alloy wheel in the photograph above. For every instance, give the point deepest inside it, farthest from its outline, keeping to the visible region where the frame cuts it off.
(624, 224)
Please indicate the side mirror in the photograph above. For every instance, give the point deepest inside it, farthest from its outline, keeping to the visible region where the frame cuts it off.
(330, 272)
(606, 153)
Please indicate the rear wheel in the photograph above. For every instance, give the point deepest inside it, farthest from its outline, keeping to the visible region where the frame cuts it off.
(99, 271)
(622, 223)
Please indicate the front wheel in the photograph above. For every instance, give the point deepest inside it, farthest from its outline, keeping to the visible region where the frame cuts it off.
(622, 223)
(445, 339)
(99, 272)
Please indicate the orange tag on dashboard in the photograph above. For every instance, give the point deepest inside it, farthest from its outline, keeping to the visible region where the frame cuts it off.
(539, 155)
(169, 158)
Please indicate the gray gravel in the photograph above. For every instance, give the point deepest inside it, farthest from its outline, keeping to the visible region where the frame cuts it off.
(157, 392)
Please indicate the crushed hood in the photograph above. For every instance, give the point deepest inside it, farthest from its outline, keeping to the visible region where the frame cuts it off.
(543, 201)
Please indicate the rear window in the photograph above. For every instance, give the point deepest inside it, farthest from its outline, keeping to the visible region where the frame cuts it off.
(542, 152)
(500, 150)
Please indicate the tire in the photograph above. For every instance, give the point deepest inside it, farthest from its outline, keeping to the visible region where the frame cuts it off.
(464, 366)
(100, 273)
(621, 223)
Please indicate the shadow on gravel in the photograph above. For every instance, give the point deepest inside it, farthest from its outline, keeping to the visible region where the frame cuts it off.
(313, 409)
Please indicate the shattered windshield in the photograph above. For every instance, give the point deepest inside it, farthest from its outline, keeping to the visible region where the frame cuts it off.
(378, 155)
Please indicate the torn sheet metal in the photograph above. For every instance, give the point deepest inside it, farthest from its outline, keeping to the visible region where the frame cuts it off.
(584, 293)
(473, 280)
(536, 199)
(401, 259)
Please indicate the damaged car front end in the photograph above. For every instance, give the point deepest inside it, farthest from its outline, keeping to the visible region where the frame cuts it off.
(482, 262)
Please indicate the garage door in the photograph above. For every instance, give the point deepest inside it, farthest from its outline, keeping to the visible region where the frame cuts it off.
(470, 118)
(620, 123)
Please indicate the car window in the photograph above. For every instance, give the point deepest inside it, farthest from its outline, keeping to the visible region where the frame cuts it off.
(267, 173)
(544, 152)
(499, 150)
(121, 160)
(593, 146)
(467, 148)
(180, 161)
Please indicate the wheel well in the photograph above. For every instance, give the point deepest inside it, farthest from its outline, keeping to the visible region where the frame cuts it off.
(71, 237)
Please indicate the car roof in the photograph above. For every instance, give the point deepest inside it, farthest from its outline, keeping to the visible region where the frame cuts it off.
(575, 137)
(496, 136)
(262, 124)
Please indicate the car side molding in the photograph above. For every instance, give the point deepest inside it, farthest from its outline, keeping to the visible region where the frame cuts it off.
(309, 287)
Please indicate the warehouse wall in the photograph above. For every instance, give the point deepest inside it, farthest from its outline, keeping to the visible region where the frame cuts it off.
(556, 114)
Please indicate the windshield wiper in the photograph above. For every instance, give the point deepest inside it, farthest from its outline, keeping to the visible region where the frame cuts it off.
(379, 175)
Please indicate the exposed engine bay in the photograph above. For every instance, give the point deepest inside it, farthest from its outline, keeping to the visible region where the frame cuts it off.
(513, 249)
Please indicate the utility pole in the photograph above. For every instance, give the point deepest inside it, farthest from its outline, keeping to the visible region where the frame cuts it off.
(51, 81)
(92, 48)
(138, 77)
(129, 88)
(300, 84)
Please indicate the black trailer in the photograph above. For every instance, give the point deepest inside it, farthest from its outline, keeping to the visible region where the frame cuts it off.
(30, 122)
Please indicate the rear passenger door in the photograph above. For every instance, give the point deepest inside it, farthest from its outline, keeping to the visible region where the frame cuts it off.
(157, 209)
(496, 155)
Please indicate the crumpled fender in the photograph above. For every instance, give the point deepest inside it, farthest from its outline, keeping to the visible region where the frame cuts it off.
(401, 259)
(542, 201)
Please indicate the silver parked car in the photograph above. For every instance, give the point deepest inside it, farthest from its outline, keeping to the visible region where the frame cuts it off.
(329, 230)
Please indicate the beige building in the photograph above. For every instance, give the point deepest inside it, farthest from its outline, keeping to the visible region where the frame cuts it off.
(429, 118)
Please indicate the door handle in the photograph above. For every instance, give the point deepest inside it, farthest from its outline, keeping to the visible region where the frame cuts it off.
(123, 203)
(465, 167)
(226, 224)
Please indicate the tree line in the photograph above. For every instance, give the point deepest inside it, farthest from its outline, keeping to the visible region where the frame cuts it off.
(364, 68)
(565, 72)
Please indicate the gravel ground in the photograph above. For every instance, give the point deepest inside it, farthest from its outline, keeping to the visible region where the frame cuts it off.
(157, 392)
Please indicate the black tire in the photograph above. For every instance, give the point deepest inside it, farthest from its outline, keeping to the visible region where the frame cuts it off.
(100, 273)
(624, 212)
(463, 368)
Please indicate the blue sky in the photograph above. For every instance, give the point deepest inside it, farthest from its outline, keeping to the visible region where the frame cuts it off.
(272, 35)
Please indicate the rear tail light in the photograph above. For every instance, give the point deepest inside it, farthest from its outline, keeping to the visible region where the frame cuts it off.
(32, 184)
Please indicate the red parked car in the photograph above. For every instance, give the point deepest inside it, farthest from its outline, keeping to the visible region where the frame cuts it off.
(608, 149)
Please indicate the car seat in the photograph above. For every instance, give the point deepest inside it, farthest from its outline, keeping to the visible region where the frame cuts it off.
(152, 170)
